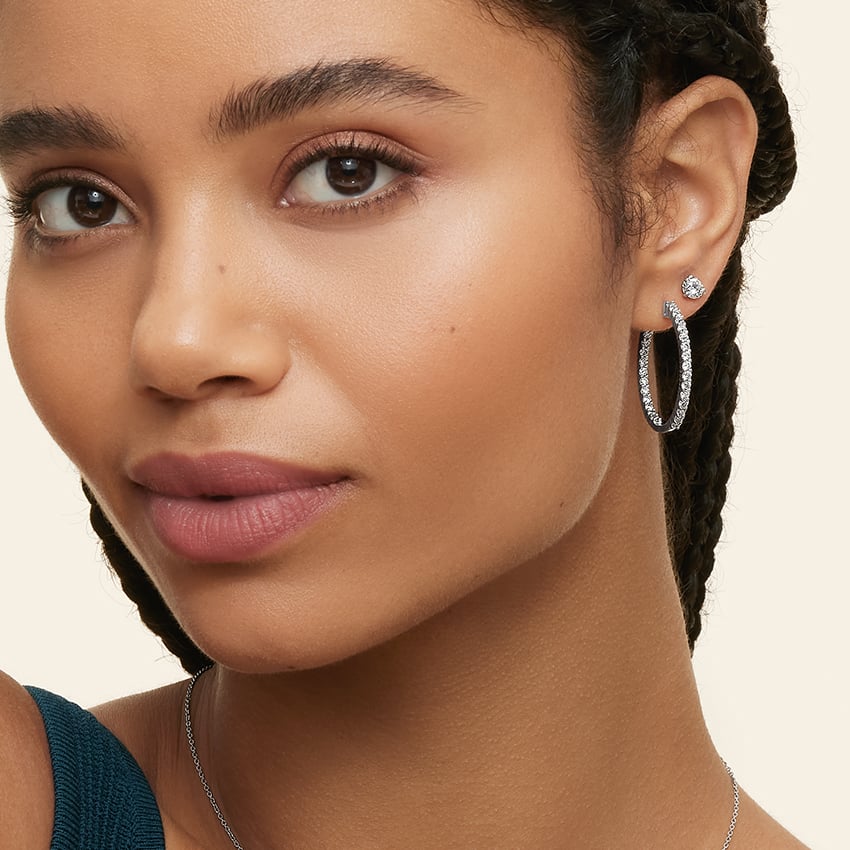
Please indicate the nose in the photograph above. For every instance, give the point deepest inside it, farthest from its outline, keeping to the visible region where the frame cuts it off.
(204, 327)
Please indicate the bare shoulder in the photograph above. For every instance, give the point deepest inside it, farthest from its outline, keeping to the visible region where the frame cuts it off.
(148, 725)
(26, 775)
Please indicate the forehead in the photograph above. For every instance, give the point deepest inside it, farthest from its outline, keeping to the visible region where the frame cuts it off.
(171, 61)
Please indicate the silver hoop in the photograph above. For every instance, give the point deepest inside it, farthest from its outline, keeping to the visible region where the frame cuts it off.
(683, 394)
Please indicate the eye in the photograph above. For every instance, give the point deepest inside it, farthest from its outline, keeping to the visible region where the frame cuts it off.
(339, 178)
(79, 207)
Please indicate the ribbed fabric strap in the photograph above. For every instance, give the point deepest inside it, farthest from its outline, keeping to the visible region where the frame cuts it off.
(103, 801)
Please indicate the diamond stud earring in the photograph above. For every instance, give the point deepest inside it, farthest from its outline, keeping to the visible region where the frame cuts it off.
(692, 288)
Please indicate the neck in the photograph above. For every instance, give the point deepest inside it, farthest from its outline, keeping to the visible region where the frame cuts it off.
(554, 707)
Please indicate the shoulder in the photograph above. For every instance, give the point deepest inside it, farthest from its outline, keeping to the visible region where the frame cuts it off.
(148, 725)
(60, 762)
(26, 775)
(145, 724)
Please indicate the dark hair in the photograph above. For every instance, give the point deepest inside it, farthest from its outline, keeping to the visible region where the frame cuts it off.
(626, 54)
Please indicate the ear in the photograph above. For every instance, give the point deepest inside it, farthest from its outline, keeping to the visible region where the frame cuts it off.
(694, 167)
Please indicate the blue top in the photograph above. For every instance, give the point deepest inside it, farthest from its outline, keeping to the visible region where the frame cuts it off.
(103, 801)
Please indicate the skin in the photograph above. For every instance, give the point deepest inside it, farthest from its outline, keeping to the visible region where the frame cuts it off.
(482, 645)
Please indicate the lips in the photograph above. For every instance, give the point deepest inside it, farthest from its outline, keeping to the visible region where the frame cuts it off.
(227, 507)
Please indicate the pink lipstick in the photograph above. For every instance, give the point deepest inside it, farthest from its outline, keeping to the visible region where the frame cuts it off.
(226, 507)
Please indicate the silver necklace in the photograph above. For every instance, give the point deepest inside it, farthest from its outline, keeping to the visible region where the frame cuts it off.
(187, 716)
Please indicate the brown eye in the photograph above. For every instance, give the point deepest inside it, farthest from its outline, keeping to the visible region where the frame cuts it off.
(349, 175)
(79, 207)
(337, 178)
(91, 207)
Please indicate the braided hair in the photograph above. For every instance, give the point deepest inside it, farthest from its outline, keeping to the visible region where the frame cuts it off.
(626, 54)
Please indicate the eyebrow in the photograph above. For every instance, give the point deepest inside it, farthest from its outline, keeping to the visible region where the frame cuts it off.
(262, 102)
(27, 131)
(368, 81)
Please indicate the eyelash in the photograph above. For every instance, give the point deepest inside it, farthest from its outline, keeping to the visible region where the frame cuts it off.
(21, 202)
(21, 207)
(369, 149)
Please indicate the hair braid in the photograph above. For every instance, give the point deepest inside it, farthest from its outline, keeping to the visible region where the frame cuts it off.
(697, 462)
(696, 458)
(155, 614)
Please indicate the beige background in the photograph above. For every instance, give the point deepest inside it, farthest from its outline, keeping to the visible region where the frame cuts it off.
(772, 663)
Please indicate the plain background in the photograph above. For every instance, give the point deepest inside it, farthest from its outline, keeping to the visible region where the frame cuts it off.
(772, 662)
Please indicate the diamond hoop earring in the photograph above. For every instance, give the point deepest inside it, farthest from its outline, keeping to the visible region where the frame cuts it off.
(683, 394)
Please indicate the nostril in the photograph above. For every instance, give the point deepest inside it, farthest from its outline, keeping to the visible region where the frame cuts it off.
(224, 381)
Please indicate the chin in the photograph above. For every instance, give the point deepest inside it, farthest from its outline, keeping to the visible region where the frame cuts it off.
(264, 646)
(255, 661)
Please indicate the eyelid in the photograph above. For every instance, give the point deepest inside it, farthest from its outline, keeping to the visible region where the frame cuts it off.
(22, 200)
(359, 143)
(337, 143)
(21, 204)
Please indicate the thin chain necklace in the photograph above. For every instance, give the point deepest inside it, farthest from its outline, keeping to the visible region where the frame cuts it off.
(187, 715)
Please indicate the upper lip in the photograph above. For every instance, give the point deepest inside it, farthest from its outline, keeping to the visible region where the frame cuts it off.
(224, 474)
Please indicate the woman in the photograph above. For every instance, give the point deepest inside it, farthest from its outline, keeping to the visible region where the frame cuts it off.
(364, 297)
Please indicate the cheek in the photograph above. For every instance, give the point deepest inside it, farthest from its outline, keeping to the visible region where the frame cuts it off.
(489, 365)
(66, 356)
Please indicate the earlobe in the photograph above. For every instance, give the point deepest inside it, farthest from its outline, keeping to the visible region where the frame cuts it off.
(698, 148)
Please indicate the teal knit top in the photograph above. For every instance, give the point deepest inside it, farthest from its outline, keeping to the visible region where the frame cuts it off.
(103, 801)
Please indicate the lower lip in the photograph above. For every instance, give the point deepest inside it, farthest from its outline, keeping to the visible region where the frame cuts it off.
(210, 531)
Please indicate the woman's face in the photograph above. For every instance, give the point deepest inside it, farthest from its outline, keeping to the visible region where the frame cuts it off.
(354, 238)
